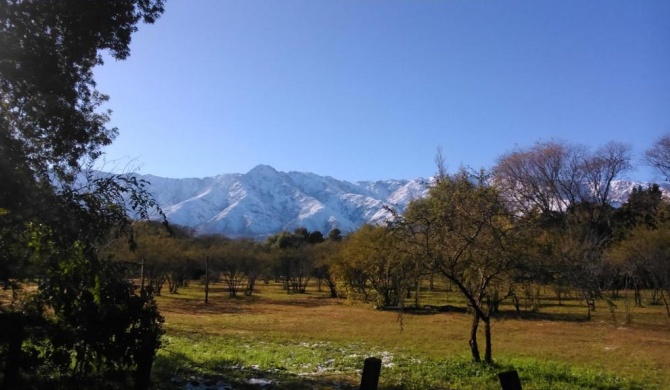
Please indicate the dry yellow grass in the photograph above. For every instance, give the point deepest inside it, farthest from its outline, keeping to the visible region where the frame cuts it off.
(558, 333)
(639, 350)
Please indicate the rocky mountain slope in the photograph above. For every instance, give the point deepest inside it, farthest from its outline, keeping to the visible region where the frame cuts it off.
(265, 201)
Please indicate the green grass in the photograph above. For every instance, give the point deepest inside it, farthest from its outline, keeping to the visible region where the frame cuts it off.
(310, 342)
(289, 364)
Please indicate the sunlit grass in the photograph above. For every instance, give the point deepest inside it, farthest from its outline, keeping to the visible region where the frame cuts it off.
(310, 341)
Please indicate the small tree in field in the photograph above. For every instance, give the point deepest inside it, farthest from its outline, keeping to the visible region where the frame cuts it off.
(463, 231)
(295, 257)
(644, 255)
(370, 256)
(236, 262)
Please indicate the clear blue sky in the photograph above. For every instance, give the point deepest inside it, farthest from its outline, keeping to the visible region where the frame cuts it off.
(363, 90)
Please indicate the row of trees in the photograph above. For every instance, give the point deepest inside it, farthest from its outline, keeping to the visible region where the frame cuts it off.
(174, 258)
(541, 217)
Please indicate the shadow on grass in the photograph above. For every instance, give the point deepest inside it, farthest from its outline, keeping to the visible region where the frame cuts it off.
(174, 371)
(216, 305)
(221, 303)
(541, 316)
(502, 314)
(303, 301)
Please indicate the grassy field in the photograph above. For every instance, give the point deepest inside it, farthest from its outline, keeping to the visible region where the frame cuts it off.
(281, 341)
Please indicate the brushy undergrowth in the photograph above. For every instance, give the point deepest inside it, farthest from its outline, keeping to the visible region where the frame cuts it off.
(188, 359)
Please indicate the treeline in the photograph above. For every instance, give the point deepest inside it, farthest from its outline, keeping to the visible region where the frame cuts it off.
(540, 218)
(167, 260)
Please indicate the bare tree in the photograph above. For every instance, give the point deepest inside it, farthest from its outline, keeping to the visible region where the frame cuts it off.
(658, 156)
(550, 177)
(600, 169)
(545, 177)
(580, 260)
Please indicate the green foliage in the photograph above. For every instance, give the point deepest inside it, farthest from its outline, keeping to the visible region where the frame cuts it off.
(237, 261)
(85, 322)
(298, 257)
(161, 256)
(335, 235)
(643, 207)
(370, 256)
(48, 51)
(464, 231)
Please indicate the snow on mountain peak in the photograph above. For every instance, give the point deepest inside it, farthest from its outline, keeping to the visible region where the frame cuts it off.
(265, 201)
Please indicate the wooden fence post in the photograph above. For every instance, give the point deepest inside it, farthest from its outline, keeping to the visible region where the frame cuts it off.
(371, 370)
(509, 380)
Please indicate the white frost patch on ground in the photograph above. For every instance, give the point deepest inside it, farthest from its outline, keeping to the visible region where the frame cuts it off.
(325, 366)
(260, 381)
(387, 359)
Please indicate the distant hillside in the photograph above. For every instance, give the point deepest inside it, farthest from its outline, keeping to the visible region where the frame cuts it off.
(265, 201)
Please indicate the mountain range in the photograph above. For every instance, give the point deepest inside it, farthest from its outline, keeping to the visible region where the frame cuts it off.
(265, 201)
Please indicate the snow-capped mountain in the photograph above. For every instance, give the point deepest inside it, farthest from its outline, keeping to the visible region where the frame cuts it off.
(621, 190)
(265, 201)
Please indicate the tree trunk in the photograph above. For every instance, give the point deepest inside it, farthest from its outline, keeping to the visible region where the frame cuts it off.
(474, 347)
(488, 353)
(142, 275)
(142, 375)
(665, 300)
(332, 287)
(14, 335)
(655, 297)
(416, 293)
(251, 282)
(638, 296)
(517, 305)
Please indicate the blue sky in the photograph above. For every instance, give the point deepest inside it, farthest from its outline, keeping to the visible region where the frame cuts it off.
(366, 90)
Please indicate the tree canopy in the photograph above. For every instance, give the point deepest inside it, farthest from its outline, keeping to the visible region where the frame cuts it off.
(55, 214)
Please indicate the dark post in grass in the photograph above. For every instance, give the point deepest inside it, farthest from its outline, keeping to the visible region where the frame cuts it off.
(509, 380)
(207, 279)
(371, 370)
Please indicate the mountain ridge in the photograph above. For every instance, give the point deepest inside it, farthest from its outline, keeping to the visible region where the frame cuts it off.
(265, 201)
